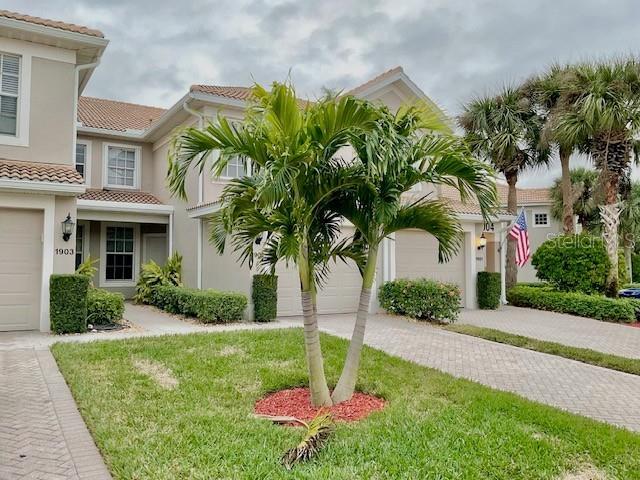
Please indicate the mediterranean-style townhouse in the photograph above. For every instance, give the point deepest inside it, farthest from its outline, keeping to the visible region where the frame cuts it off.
(97, 168)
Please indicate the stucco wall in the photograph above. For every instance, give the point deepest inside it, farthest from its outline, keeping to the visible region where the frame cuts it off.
(537, 236)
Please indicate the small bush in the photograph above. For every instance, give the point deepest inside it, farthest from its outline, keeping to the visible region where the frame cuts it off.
(422, 299)
(489, 290)
(88, 269)
(581, 304)
(209, 306)
(264, 293)
(573, 263)
(153, 275)
(68, 303)
(104, 307)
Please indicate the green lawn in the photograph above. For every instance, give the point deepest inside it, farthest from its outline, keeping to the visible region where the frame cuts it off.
(434, 426)
(585, 355)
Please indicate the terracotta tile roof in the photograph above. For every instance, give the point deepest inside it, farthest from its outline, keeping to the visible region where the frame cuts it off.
(69, 27)
(526, 196)
(374, 80)
(124, 196)
(470, 207)
(118, 116)
(235, 93)
(201, 205)
(39, 172)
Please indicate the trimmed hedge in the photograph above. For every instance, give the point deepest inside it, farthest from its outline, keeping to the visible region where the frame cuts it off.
(68, 303)
(422, 299)
(581, 304)
(264, 293)
(489, 289)
(104, 307)
(209, 306)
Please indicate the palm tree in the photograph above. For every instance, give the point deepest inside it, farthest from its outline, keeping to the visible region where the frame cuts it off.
(505, 130)
(585, 192)
(604, 120)
(290, 146)
(548, 92)
(412, 146)
(630, 220)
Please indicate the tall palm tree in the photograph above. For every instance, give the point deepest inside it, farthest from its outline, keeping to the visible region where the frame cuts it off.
(585, 193)
(629, 220)
(412, 146)
(505, 130)
(604, 120)
(289, 145)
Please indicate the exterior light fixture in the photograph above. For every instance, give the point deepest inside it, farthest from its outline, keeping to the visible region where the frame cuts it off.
(482, 241)
(67, 228)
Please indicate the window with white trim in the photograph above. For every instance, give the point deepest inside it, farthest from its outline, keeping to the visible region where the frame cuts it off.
(541, 219)
(9, 90)
(81, 159)
(79, 245)
(235, 168)
(122, 165)
(119, 253)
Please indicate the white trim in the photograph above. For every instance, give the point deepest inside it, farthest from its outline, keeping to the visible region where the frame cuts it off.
(144, 243)
(470, 266)
(539, 211)
(103, 255)
(42, 187)
(137, 160)
(86, 237)
(199, 254)
(171, 233)
(21, 138)
(128, 134)
(87, 161)
(203, 211)
(53, 32)
(143, 208)
(503, 263)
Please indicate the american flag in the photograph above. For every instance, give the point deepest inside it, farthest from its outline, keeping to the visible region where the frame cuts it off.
(519, 232)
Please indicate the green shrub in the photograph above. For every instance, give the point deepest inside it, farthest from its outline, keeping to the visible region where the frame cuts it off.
(264, 293)
(581, 304)
(623, 273)
(68, 303)
(635, 268)
(209, 306)
(104, 307)
(423, 299)
(88, 269)
(489, 290)
(573, 263)
(153, 275)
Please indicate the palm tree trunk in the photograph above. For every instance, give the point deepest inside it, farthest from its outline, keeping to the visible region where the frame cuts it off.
(512, 207)
(347, 383)
(567, 193)
(628, 254)
(315, 363)
(610, 215)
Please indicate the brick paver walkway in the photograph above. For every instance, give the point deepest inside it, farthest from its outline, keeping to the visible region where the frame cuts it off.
(581, 332)
(595, 392)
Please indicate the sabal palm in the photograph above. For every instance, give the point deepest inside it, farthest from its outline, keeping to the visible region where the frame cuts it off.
(288, 145)
(585, 192)
(405, 149)
(604, 120)
(505, 130)
(630, 221)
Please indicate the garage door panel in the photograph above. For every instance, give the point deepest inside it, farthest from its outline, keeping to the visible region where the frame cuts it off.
(417, 257)
(20, 268)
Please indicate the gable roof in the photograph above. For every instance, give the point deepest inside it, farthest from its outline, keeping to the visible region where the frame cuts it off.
(379, 78)
(114, 115)
(235, 93)
(45, 22)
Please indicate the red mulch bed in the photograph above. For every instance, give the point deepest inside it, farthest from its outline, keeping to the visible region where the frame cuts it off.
(296, 402)
(636, 325)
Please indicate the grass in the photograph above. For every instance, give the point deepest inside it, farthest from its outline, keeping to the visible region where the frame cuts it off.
(434, 426)
(585, 355)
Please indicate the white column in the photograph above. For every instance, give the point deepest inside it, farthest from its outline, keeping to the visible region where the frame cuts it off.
(199, 254)
(503, 263)
(471, 275)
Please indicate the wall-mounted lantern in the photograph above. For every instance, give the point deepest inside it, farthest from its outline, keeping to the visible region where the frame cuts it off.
(482, 241)
(67, 228)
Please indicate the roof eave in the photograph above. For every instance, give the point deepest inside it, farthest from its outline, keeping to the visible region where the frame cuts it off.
(59, 188)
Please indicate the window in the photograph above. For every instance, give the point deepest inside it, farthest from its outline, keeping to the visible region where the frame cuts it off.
(119, 253)
(234, 169)
(9, 88)
(122, 166)
(540, 219)
(79, 245)
(81, 159)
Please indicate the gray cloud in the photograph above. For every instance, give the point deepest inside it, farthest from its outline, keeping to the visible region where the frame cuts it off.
(453, 49)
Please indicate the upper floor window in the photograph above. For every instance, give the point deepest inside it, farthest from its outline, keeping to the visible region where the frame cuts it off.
(9, 90)
(122, 166)
(540, 219)
(234, 169)
(83, 153)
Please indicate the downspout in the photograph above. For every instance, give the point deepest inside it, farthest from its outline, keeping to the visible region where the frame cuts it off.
(199, 246)
(76, 94)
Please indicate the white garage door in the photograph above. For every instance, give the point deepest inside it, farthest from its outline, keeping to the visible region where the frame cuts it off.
(417, 257)
(339, 294)
(20, 268)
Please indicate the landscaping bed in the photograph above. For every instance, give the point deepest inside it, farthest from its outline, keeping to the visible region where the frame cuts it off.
(183, 407)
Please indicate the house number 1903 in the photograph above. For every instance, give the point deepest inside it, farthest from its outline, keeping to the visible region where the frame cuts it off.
(64, 251)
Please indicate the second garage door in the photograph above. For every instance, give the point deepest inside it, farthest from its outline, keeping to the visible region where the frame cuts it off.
(20, 268)
(417, 257)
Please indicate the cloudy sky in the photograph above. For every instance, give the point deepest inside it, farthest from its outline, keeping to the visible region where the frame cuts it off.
(453, 49)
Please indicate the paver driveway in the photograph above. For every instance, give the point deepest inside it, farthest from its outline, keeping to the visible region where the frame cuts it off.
(595, 392)
(614, 338)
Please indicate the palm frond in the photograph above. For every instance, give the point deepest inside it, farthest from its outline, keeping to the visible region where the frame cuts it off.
(316, 435)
